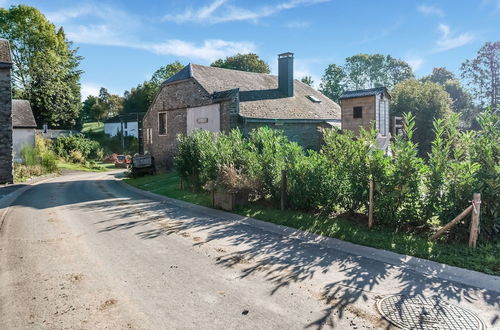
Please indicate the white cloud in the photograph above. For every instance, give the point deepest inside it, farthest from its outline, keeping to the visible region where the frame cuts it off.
(219, 11)
(297, 24)
(209, 50)
(415, 62)
(64, 15)
(430, 10)
(448, 41)
(89, 89)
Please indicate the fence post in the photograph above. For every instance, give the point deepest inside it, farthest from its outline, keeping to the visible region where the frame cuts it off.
(370, 204)
(474, 224)
(283, 189)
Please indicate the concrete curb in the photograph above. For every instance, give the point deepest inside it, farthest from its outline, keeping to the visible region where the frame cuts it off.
(425, 267)
(7, 200)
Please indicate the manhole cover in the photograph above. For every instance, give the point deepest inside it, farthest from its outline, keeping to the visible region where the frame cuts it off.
(427, 313)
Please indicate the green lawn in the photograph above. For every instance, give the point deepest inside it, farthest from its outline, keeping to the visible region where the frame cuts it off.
(485, 258)
(101, 167)
(93, 127)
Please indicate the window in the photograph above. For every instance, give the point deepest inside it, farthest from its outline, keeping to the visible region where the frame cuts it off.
(357, 112)
(125, 123)
(313, 99)
(162, 123)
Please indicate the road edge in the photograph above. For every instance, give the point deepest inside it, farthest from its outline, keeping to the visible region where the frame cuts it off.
(427, 268)
(7, 200)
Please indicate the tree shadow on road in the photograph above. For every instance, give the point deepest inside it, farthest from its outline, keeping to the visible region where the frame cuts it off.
(352, 280)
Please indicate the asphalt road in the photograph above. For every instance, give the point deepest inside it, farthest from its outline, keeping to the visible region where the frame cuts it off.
(79, 251)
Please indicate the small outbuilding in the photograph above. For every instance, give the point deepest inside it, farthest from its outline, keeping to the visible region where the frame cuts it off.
(361, 108)
(23, 127)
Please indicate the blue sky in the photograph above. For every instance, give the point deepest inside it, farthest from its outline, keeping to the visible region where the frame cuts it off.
(124, 42)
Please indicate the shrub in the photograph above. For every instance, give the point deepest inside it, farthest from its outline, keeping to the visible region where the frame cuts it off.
(36, 160)
(76, 157)
(273, 153)
(63, 146)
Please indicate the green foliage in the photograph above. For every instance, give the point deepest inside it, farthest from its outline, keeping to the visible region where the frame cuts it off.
(165, 72)
(482, 74)
(274, 153)
(46, 66)
(243, 62)
(427, 101)
(307, 80)
(36, 160)
(139, 99)
(66, 146)
(333, 82)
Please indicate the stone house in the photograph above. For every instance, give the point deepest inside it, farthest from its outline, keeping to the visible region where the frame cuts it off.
(6, 175)
(23, 127)
(215, 99)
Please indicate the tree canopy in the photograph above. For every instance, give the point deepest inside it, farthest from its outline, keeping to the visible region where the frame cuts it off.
(460, 97)
(307, 80)
(483, 74)
(426, 101)
(333, 82)
(243, 62)
(364, 71)
(101, 107)
(139, 99)
(46, 66)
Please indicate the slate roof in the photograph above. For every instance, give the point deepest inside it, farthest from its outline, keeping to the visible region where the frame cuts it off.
(363, 92)
(258, 93)
(22, 116)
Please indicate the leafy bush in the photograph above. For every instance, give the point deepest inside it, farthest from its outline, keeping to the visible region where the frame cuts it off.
(64, 146)
(76, 157)
(36, 160)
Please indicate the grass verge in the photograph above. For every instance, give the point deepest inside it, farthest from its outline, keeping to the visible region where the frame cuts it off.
(93, 127)
(485, 258)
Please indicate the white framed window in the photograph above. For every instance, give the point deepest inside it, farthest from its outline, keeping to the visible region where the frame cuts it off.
(162, 123)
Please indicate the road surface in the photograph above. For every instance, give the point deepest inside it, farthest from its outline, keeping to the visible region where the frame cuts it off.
(81, 252)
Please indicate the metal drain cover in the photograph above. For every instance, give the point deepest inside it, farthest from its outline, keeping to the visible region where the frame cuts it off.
(427, 313)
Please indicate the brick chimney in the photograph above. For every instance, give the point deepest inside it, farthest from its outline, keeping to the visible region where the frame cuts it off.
(5, 114)
(285, 74)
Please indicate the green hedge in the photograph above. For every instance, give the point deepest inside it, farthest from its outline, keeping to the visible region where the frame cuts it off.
(411, 193)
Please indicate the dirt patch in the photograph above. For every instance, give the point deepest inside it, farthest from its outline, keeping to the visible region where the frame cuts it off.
(76, 277)
(108, 304)
(53, 220)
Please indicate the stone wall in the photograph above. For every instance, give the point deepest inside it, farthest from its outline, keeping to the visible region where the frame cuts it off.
(5, 125)
(174, 99)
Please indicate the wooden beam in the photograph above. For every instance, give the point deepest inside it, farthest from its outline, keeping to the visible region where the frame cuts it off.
(451, 223)
(474, 223)
(370, 204)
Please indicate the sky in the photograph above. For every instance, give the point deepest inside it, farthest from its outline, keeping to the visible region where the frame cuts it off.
(124, 42)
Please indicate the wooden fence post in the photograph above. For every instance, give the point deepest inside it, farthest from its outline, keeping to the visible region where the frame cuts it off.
(370, 204)
(474, 224)
(283, 189)
(452, 223)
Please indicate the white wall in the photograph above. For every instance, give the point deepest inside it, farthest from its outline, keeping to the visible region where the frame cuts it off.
(20, 138)
(206, 117)
(113, 128)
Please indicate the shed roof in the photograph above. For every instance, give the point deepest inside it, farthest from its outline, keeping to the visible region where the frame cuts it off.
(364, 92)
(22, 115)
(259, 95)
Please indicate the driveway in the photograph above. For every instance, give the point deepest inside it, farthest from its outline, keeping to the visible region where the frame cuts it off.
(80, 251)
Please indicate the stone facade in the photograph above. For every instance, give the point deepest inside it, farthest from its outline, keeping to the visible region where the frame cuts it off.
(6, 175)
(174, 99)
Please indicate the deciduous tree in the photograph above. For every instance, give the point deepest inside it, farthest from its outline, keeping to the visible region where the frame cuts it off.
(243, 62)
(307, 80)
(333, 82)
(483, 74)
(426, 101)
(46, 66)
